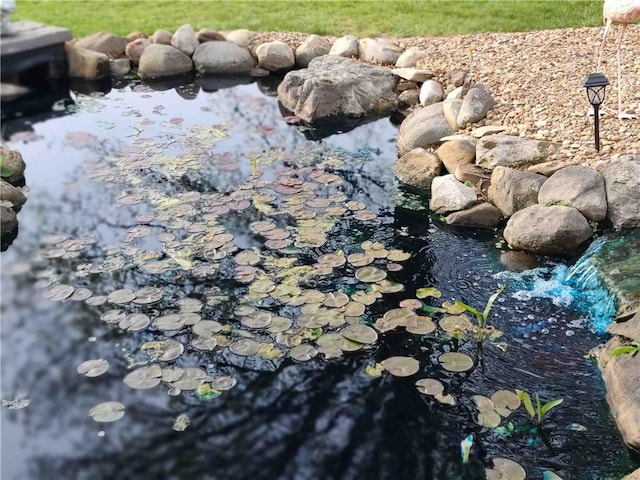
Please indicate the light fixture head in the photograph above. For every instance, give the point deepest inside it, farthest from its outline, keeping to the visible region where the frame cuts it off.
(595, 83)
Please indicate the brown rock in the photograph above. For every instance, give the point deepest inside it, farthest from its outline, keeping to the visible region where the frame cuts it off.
(136, 35)
(87, 64)
(548, 168)
(483, 215)
(512, 190)
(456, 152)
(11, 194)
(163, 37)
(104, 42)
(136, 47)
(629, 328)
(418, 168)
(13, 166)
(208, 35)
(518, 261)
(471, 173)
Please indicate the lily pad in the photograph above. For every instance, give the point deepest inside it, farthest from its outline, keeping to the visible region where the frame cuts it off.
(58, 292)
(206, 328)
(455, 323)
(331, 341)
(16, 404)
(121, 296)
(430, 386)
(398, 256)
(164, 350)
(81, 294)
(456, 362)
(505, 399)
(259, 319)
(337, 299)
(191, 379)
(354, 309)
(428, 292)
(135, 322)
(245, 347)
(303, 352)
(107, 412)
(181, 422)
(420, 325)
(113, 316)
(205, 343)
(401, 366)
(93, 368)
(189, 305)
(360, 259)
(334, 260)
(489, 418)
(505, 469)
(144, 377)
(359, 333)
(370, 274)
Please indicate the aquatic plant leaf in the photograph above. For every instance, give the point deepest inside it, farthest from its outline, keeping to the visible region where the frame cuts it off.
(359, 333)
(354, 309)
(428, 292)
(135, 322)
(335, 260)
(489, 418)
(16, 404)
(93, 368)
(385, 324)
(80, 294)
(96, 300)
(452, 308)
(269, 351)
(385, 286)
(455, 362)
(189, 305)
(205, 343)
(420, 325)
(181, 422)
(144, 377)
(164, 350)
(191, 379)
(401, 366)
(430, 309)
(455, 323)
(360, 259)
(492, 298)
(506, 469)
(398, 256)
(468, 308)
(223, 383)
(121, 296)
(483, 403)
(549, 475)
(259, 319)
(106, 412)
(375, 370)
(505, 399)
(207, 392)
(113, 316)
(206, 328)
(549, 405)
(430, 386)
(245, 347)
(336, 299)
(525, 398)
(303, 352)
(445, 399)
(58, 292)
(577, 427)
(364, 298)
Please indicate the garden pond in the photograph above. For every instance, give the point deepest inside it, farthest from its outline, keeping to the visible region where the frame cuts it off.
(257, 300)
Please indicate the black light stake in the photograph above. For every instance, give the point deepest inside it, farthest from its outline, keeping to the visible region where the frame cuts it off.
(596, 83)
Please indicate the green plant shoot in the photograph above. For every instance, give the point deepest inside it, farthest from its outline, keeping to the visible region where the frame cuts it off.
(481, 317)
(540, 410)
(631, 349)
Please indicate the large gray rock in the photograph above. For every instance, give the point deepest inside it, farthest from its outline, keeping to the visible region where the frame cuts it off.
(621, 375)
(275, 56)
(136, 47)
(553, 230)
(120, 67)
(424, 126)
(580, 187)
(378, 51)
(410, 57)
(104, 42)
(472, 173)
(8, 220)
(87, 64)
(337, 86)
(629, 328)
(509, 151)
(314, 46)
(449, 195)
(347, 46)
(622, 184)
(185, 39)
(159, 60)
(483, 215)
(241, 37)
(454, 152)
(475, 106)
(11, 194)
(222, 57)
(431, 92)
(418, 168)
(163, 37)
(451, 108)
(12, 165)
(512, 190)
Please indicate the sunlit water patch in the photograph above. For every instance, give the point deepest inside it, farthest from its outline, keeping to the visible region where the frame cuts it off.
(198, 291)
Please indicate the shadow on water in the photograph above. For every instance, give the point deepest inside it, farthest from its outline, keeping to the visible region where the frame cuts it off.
(323, 419)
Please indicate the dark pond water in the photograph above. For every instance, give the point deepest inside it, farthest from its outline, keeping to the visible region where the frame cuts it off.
(119, 173)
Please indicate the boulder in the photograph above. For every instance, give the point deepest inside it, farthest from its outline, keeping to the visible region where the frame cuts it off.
(418, 168)
(552, 230)
(449, 195)
(424, 126)
(208, 35)
(409, 98)
(431, 92)
(509, 151)
(451, 108)
(518, 261)
(628, 328)
(159, 60)
(512, 190)
(104, 42)
(337, 86)
(135, 48)
(241, 37)
(548, 168)
(413, 74)
(622, 186)
(87, 64)
(222, 57)
(472, 174)
(8, 220)
(635, 475)
(410, 57)
(483, 215)
(185, 39)
(454, 152)
(347, 46)
(621, 375)
(314, 46)
(163, 37)
(580, 187)
(475, 106)
(275, 56)
(120, 67)
(378, 51)
(12, 166)
(11, 194)
(136, 35)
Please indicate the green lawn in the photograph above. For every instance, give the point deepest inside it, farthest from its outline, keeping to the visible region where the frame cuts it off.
(398, 18)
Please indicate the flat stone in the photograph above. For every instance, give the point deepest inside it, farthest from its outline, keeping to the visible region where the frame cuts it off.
(487, 130)
(104, 42)
(475, 106)
(87, 64)
(471, 173)
(413, 74)
(120, 66)
(510, 151)
(548, 168)
(378, 51)
(483, 215)
(160, 60)
(410, 57)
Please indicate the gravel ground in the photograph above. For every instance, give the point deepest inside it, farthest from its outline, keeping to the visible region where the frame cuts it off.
(536, 79)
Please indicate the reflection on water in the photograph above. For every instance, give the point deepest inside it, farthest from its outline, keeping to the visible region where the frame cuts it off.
(283, 420)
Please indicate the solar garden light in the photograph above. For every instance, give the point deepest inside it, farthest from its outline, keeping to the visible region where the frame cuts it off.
(596, 83)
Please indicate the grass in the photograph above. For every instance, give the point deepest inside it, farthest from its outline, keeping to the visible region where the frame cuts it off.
(396, 18)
